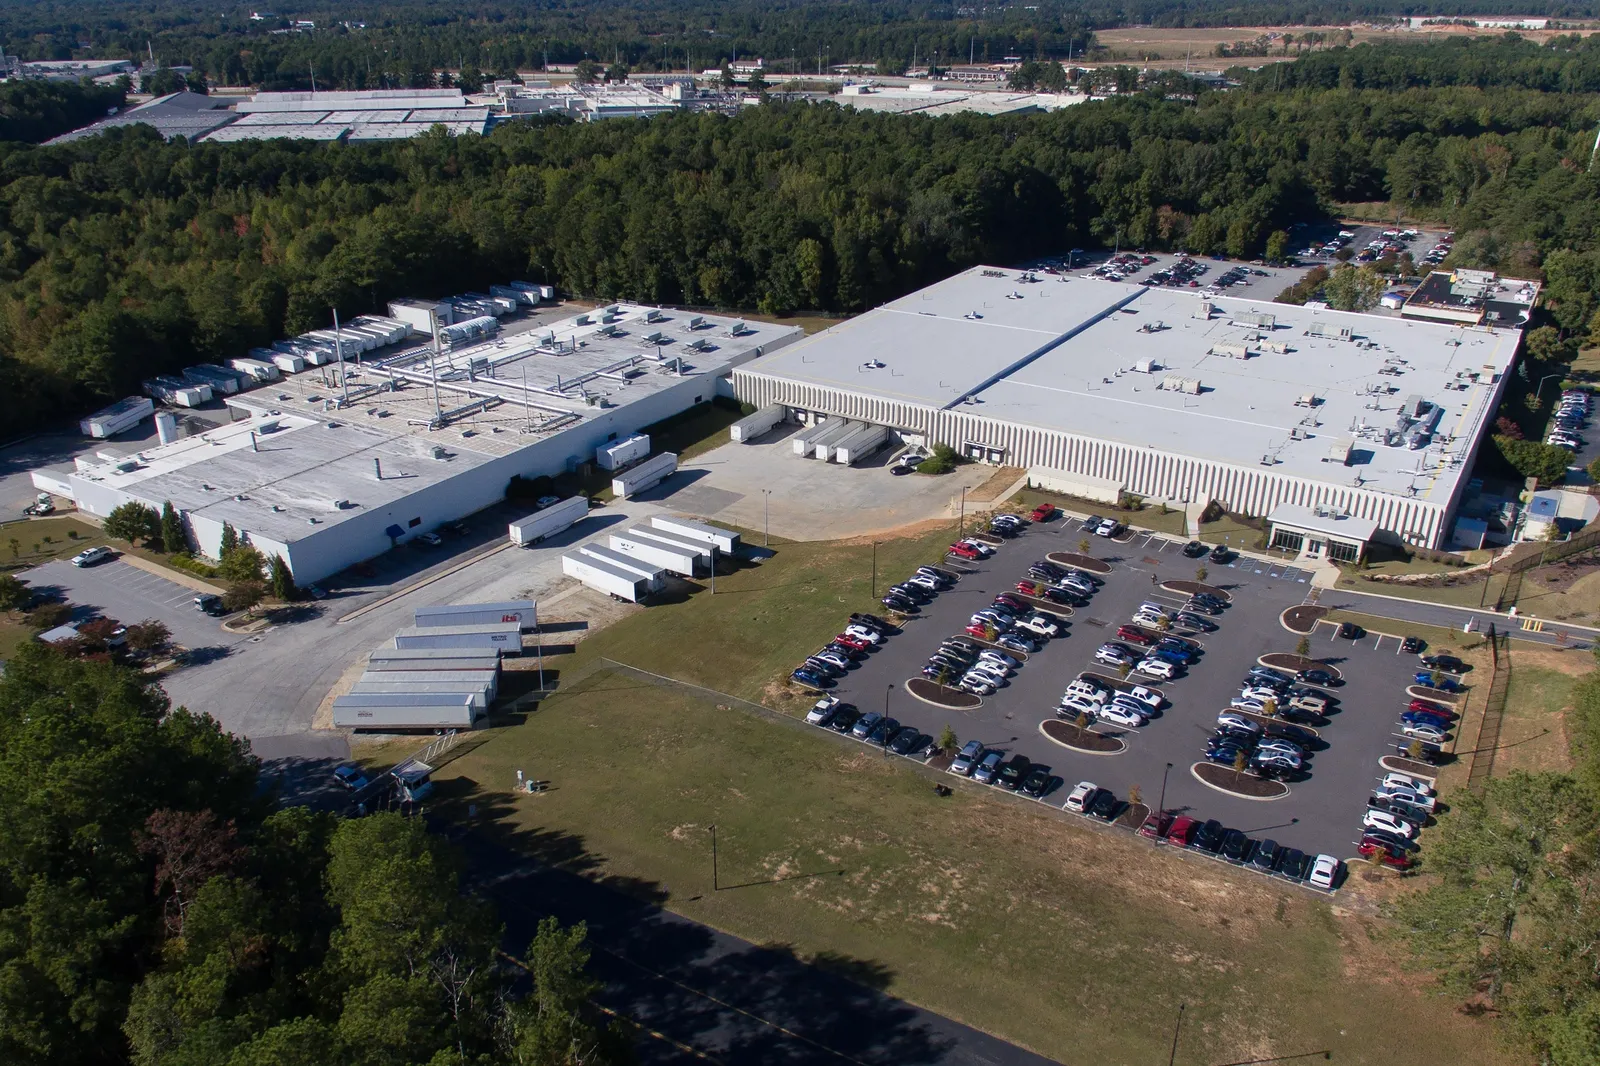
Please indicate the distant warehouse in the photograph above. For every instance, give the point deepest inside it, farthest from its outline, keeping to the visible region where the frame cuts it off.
(1100, 388)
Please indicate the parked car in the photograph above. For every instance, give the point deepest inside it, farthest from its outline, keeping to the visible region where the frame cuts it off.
(911, 742)
(1236, 847)
(823, 710)
(967, 759)
(1148, 697)
(350, 777)
(1011, 774)
(1157, 668)
(1317, 677)
(1209, 836)
(1081, 796)
(1444, 684)
(1194, 549)
(1221, 554)
(964, 551)
(1182, 831)
(1371, 850)
(1265, 856)
(1406, 781)
(1444, 662)
(1113, 655)
(988, 767)
(1105, 805)
(1412, 645)
(1389, 823)
(1425, 731)
(90, 556)
(1043, 513)
(1426, 753)
(1036, 782)
(1293, 864)
(1134, 634)
(1120, 715)
(1108, 528)
(813, 678)
(1156, 825)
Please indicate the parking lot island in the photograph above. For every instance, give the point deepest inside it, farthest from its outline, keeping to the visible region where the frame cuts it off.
(943, 695)
(1302, 618)
(1082, 562)
(1243, 785)
(1283, 660)
(1068, 735)
(1196, 588)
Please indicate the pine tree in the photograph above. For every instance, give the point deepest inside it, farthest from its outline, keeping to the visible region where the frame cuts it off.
(282, 580)
(172, 536)
(230, 541)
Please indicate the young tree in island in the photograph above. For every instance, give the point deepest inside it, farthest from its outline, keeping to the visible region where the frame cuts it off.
(1303, 647)
(1240, 761)
(243, 595)
(1201, 573)
(243, 563)
(947, 739)
(282, 581)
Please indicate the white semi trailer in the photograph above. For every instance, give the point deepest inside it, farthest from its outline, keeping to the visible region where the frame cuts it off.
(548, 522)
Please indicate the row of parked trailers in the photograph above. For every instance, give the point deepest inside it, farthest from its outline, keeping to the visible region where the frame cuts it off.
(635, 563)
(840, 440)
(442, 672)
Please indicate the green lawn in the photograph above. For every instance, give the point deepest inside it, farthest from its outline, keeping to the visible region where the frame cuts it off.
(31, 542)
(1532, 736)
(1234, 534)
(1078, 943)
(1438, 638)
(1150, 517)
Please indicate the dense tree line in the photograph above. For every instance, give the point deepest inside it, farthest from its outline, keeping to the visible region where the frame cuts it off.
(35, 111)
(1567, 64)
(155, 909)
(125, 256)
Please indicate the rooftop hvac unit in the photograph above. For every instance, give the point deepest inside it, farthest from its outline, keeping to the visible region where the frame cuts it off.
(696, 322)
(655, 337)
(654, 315)
(1179, 383)
(609, 316)
(581, 320)
(1306, 399)
(737, 328)
(1232, 351)
(1203, 309)
(607, 330)
(1145, 366)
(1258, 319)
(1330, 331)
(698, 344)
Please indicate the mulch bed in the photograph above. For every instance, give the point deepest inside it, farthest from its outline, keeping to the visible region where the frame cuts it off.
(942, 760)
(1286, 660)
(1069, 734)
(1409, 766)
(1190, 588)
(1304, 618)
(953, 698)
(1060, 610)
(1132, 816)
(985, 538)
(1083, 562)
(1434, 695)
(1223, 777)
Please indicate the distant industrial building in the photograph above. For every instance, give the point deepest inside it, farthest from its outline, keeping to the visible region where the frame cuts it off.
(327, 471)
(929, 98)
(589, 103)
(1101, 388)
(1472, 298)
(188, 115)
(365, 115)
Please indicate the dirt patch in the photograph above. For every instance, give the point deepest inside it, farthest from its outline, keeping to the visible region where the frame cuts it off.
(1191, 588)
(1408, 766)
(1226, 779)
(1067, 734)
(953, 698)
(1284, 660)
(1303, 619)
(996, 486)
(1434, 695)
(1082, 562)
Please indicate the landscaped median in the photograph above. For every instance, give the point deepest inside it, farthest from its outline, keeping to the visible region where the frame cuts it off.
(1082, 562)
(1237, 783)
(1302, 618)
(1084, 739)
(939, 695)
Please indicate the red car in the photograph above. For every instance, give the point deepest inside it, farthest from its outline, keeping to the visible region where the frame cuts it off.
(1181, 832)
(1138, 636)
(979, 631)
(1030, 588)
(1155, 827)
(851, 642)
(964, 552)
(1432, 708)
(1043, 513)
(1386, 856)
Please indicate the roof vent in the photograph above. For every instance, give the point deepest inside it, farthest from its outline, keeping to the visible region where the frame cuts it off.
(276, 509)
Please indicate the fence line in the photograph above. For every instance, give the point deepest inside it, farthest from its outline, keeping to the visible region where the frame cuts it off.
(1493, 709)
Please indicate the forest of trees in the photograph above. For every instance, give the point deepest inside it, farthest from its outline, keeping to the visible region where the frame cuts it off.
(123, 256)
(156, 909)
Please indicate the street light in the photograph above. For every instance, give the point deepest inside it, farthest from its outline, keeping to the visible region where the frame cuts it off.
(961, 526)
(713, 828)
(886, 717)
(766, 498)
(1162, 807)
(1542, 380)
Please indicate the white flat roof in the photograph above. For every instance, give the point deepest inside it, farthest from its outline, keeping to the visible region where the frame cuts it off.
(1060, 353)
(1345, 527)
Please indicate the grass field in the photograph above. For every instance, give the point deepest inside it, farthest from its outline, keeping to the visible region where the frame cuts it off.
(1470, 593)
(1150, 517)
(1533, 732)
(1080, 944)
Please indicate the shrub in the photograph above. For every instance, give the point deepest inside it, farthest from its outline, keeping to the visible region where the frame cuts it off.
(14, 595)
(132, 522)
(50, 615)
(936, 465)
(1530, 458)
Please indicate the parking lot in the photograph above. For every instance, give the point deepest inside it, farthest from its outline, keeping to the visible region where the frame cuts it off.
(114, 589)
(1322, 812)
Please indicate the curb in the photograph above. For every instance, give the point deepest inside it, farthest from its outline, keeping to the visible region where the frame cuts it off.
(1237, 795)
(1590, 630)
(1084, 751)
(942, 706)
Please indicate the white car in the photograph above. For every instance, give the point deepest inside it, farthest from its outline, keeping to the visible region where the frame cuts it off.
(989, 655)
(824, 707)
(1080, 794)
(863, 634)
(976, 685)
(1040, 624)
(1043, 632)
(833, 659)
(1406, 781)
(990, 618)
(1324, 871)
(1247, 703)
(1156, 668)
(1079, 705)
(924, 581)
(90, 556)
(1388, 823)
(1149, 697)
(1151, 618)
(992, 672)
(1113, 657)
(1117, 714)
(1108, 528)
(1237, 721)
(1260, 692)
(1423, 731)
(1405, 795)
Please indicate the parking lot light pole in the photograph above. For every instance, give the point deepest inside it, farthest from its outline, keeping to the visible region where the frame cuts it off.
(766, 499)
(961, 525)
(713, 828)
(1162, 808)
(886, 715)
(874, 569)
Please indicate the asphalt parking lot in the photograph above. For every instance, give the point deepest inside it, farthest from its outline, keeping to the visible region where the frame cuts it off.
(1322, 813)
(116, 590)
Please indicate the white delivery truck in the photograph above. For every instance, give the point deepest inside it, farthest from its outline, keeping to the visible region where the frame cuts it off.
(603, 577)
(860, 444)
(504, 637)
(421, 710)
(434, 659)
(674, 558)
(726, 540)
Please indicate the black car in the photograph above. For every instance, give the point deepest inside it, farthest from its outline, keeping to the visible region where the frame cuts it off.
(1206, 597)
(1037, 781)
(1317, 677)
(886, 728)
(1351, 631)
(910, 740)
(1220, 554)
(899, 603)
(1012, 773)
(1052, 569)
(1413, 645)
(1265, 857)
(1194, 549)
(1104, 805)
(872, 621)
(1300, 716)
(844, 719)
(1236, 847)
(1445, 662)
(1302, 737)
(914, 593)
(1294, 864)
(1208, 836)
(1267, 676)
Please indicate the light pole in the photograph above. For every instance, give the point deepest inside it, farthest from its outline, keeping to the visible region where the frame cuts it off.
(1542, 380)
(1162, 806)
(766, 500)
(961, 525)
(874, 569)
(886, 718)
(713, 570)
(713, 828)
(1176, 1029)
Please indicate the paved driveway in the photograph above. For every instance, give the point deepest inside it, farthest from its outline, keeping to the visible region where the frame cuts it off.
(116, 590)
(1321, 813)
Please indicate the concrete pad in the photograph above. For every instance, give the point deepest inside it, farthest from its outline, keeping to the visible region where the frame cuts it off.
(813, 500)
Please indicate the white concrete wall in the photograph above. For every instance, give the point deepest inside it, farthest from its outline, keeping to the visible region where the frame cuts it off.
(1142, 471)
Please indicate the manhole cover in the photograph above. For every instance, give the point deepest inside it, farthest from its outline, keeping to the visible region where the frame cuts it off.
(1152, 560)
(255, 640)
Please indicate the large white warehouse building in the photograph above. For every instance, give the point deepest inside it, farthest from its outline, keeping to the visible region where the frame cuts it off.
(328, 473)
(1100, 387)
